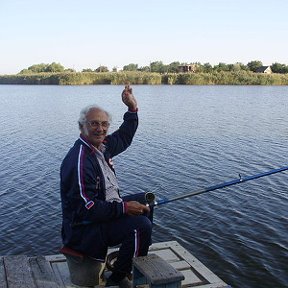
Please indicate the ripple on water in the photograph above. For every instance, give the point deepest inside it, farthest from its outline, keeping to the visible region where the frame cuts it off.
(239, 232)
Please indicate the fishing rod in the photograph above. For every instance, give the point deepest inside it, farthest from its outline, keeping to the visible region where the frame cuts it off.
(150, 197)
(150, 200)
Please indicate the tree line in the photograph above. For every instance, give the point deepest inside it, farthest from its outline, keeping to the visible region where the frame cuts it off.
(160, 67)
(147, 78)
(156, 73)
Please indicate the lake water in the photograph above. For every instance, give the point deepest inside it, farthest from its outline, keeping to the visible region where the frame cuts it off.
(189, 137)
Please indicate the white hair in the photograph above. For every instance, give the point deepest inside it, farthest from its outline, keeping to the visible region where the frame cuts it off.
(83, 114)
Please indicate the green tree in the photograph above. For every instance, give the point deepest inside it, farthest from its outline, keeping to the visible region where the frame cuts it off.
(173, 67)
(254, 65)
(158, 66)
(234, 67)
(130, 67)
(206, 67)
(242, 66)
(102, 69)
(54, 67)
(38, 68)
(144, 69)
(221, 67)
(25, 71)
(279, 68)
(87, 70)
(70, 70)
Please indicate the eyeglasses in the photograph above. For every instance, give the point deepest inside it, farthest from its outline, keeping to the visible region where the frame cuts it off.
(97, 124)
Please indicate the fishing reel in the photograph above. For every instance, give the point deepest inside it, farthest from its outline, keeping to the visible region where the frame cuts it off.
(150, 198)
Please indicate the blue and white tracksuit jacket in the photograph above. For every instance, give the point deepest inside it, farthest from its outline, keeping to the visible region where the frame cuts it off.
(85, 211)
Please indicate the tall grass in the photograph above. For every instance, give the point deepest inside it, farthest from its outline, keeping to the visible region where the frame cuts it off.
(119, 78)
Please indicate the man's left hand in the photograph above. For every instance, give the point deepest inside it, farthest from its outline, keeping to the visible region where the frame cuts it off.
(128, 98)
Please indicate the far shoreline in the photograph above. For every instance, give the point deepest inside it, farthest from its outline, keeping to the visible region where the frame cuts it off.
(146, 78)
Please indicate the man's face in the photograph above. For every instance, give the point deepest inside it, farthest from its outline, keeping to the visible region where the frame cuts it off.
(96, 127)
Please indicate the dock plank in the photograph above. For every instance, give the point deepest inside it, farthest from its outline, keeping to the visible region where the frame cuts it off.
(197, 265)
(20, 277)
(61, 272)
(3, 282)
(42, 273)
(166, 254)
(190, 278)
(180, 265)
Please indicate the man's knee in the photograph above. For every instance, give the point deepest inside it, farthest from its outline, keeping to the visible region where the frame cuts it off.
(145, 225)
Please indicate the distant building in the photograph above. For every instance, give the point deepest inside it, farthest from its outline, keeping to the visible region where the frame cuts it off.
(264, 69)
(187, 68)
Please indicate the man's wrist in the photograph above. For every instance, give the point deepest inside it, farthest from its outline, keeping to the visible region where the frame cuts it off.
(133, 109)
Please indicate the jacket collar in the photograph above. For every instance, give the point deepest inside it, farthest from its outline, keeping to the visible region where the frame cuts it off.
(86, 142)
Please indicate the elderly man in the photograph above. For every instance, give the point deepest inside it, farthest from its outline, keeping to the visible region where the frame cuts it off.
(94, 215)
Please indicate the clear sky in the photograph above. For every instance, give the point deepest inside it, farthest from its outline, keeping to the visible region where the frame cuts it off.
(88, 33)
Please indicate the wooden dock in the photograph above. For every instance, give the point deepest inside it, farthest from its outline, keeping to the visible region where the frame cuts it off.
(20, 271)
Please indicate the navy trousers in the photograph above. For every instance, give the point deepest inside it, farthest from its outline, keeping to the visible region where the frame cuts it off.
(133, 233)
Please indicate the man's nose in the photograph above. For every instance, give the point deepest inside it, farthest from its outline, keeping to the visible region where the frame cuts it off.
(99, 128)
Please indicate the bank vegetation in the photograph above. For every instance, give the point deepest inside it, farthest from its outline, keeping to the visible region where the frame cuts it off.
(150, 78)
(155, 74)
